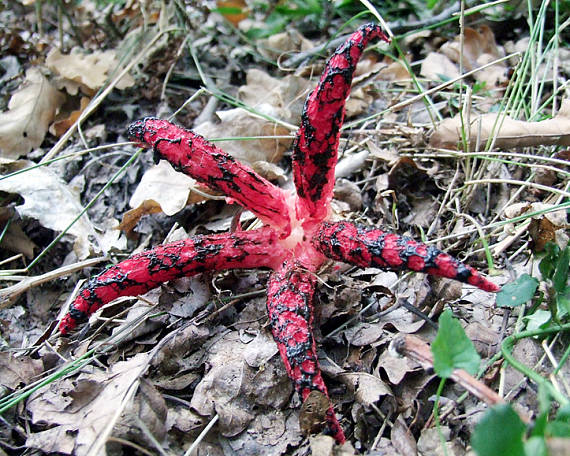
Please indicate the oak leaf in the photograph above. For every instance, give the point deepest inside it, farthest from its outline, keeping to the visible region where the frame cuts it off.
(510, 133)
(30, 111)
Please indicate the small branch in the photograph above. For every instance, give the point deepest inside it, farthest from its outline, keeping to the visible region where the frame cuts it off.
(415, 348)
(9, 294)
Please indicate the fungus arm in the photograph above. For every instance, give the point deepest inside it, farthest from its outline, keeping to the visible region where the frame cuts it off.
(191, 154)
(147, 270)
(366, 246)
(290, 294)
(316, 144)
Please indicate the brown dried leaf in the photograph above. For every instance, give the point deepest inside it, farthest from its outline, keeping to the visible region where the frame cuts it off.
(232, 389)
(550, 226)
(312, 417)
(59, 127)
(367, 388)
(282, 97)
(479, 48)
(396, 367)
(439, 67)
(16, 371)
(237, 17)
(510, 133)
(241, 123)
(82, 408)
(15, 239)
(30, 111)
(542, 231)
(278, 44)
(161, 189)
(394, 71)
(52, 202)
(402, 438)
(90, 70)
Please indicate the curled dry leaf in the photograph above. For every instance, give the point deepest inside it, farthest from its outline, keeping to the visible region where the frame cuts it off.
(14, 238)
(30, 111)
(63, 123)
(278, 44)
(367, 388)
(240, 123)
(509, 133)
(285, 95)
(312, 417)
(439, 67)
(169, 189)
(49, 200)
(90, 71)
(549, 227)
(479, 48)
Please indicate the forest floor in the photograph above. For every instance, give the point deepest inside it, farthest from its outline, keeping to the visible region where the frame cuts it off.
(457, 134)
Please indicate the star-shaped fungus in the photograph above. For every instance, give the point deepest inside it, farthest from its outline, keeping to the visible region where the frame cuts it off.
(297, 237)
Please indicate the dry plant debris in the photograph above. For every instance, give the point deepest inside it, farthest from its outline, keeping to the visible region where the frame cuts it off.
(200, 348)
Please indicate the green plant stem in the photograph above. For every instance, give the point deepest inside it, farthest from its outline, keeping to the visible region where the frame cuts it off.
(507, 346)
(436, 415)
(8, 402)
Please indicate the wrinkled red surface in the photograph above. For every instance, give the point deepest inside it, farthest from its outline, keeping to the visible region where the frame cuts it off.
(193, 155)
(316, 144)
(147, 270)
(297, 236)
(367, 246)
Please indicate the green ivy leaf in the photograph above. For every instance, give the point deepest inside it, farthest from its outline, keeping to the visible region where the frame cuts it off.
(518, 292)
(548, 264)
(560, 427)
(535, 446)
(452, 349)
(560, 277)
(539, 319)
(499, 432)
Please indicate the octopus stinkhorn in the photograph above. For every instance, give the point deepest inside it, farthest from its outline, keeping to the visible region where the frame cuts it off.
(298, 233)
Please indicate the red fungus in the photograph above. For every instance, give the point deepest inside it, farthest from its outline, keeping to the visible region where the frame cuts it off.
(297, 237)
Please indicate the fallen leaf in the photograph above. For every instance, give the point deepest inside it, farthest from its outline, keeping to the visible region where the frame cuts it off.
(278, 44)
(59, 127)
(161, 189)
(240, 123)
(163, 185)
(509, 133)
(439, 67)
(479, 48)
(285, 95)
(312, 417)
(367, 388)
(14, 239)
(543, 231)
(90, 70)
(396, 367)
(549, 226)
(81, 409)
(234, 11)
(30, 111)
(16, 371)
(430, 442)
(322, 445)
(402, 438)
(49, 200)
(232, 389)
